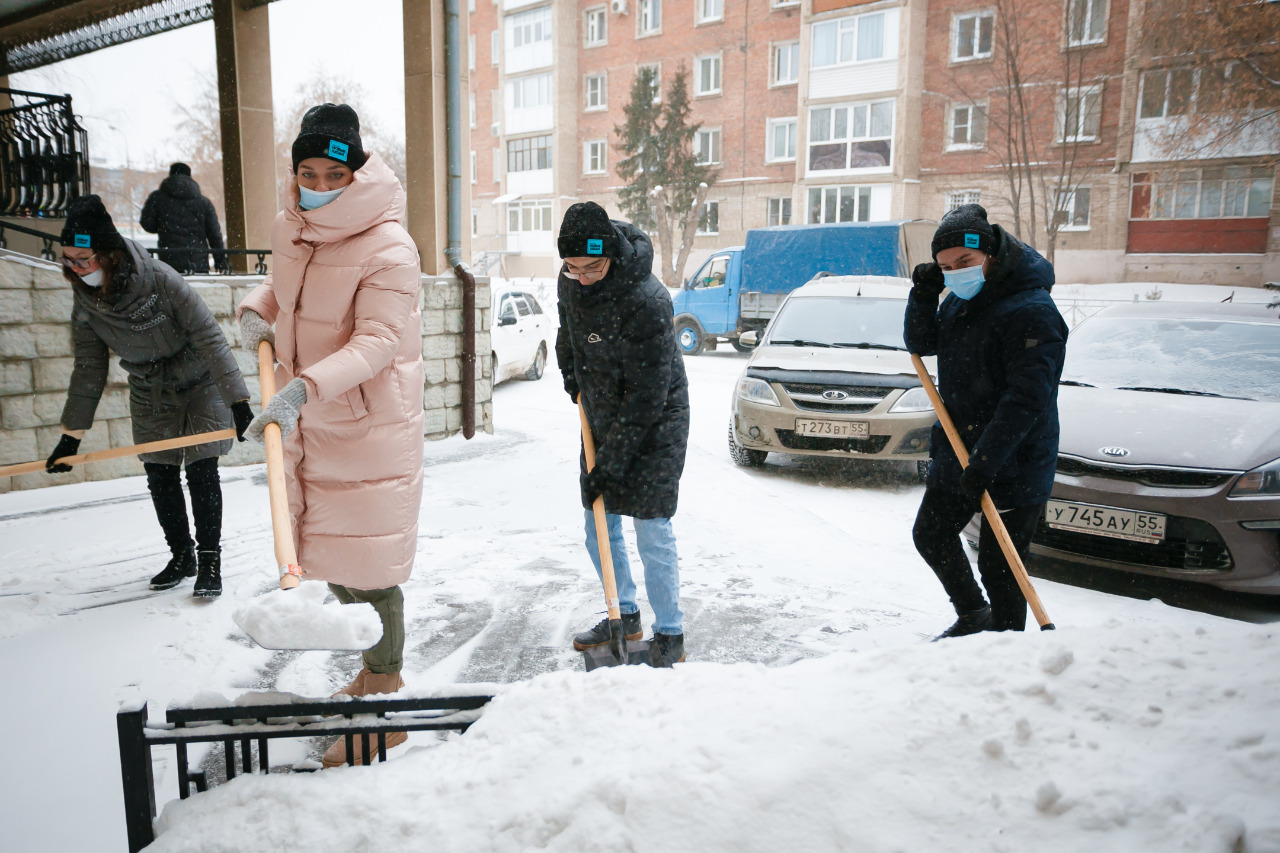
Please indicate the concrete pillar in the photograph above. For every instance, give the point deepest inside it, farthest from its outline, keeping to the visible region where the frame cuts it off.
(249, 167)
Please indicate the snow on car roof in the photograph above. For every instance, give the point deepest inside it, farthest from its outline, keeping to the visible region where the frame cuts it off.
(883, 286)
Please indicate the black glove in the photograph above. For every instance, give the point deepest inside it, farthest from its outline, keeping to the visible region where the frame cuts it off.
(68, 445)
(973, 483)
(928, 282)
(242, 414)
(571, 388)
(594, 485)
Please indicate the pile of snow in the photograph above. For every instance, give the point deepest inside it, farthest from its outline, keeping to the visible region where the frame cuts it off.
(1122, 737)
(299, 619)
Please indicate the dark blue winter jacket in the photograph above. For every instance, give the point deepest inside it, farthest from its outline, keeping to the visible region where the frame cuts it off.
(999, 360)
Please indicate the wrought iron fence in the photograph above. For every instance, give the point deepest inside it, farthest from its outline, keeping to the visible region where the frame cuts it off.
(44, 155)
(221, 257)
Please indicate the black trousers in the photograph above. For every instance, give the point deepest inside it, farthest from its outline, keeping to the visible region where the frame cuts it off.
(937, 537)
(171, 508)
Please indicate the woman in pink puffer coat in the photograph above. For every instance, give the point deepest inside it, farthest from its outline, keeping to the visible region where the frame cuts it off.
(343, 297)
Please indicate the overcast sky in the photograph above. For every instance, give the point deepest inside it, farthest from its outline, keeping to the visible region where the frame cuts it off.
(126, 95)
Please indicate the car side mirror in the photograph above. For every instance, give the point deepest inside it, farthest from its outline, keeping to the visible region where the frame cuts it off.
(749, 339)
(507, 320)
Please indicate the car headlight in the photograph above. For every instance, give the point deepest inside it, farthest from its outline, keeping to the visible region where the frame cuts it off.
(915, 400)
(757, 391)
(1261, 482)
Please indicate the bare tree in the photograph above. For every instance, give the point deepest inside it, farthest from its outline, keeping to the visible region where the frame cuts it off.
(200, 132)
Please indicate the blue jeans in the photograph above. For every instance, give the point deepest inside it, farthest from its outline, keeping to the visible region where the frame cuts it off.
(657, 545)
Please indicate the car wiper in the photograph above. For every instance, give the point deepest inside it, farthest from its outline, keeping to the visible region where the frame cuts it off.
(800, 342)
(1075, 383)
(869, 346)
(1170, 391)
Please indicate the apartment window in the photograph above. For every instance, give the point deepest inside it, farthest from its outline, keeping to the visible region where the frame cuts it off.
(709, 218)
(475, 222)
(471, 52)
(471, 5)
(1170, 92)
(597, 92)
(781, 141)
(955, 198)
(530, 92)
(596, 26)
(782, 4)
(851, 136)
(844, 41)
(968, 127)
(529, 216)
(495, 47)
(1086, 21)
(529, 28)
(475, 167)
(779, 211)
(707, 81)
(593, 157)
(839, 204)
(786, 63)
(471, 105)
(1222, 192)
(971, 36)
(650, 17)
(655, 68)
(709, 10)
(1071, 210)
(1079, 114)
(528, 154)
(706, 147)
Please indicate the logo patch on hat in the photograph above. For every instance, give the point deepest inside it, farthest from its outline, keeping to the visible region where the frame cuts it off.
(971, 240)
(82, 241)
(337, 151)
(595, 247)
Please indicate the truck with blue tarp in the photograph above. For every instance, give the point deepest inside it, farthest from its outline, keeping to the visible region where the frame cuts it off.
(738, 289)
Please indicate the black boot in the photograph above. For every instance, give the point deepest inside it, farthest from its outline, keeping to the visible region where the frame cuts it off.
(182, 566)
(599, 635)
(970, 622)
(209, 580)
(666, 649)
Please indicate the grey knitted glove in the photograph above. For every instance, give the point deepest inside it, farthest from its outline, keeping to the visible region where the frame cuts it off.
(281, 409)
(253, 330)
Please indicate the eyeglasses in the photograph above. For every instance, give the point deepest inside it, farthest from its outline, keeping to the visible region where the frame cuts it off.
(79, 263)
(594, 271)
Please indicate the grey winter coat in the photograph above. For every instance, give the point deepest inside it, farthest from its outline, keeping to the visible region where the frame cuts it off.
(186, 222)
(182, 375)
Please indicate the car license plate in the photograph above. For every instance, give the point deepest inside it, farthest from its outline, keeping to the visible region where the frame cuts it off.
(833, 429)
(1128, 524)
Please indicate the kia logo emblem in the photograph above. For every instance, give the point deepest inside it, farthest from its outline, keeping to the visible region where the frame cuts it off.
(834, 395)
(1114, 451)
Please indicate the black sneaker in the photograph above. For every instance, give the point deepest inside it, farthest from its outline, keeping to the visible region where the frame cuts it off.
(182, 566)
(666, 649)
(599, 635)
(970, 622)
(209, 579)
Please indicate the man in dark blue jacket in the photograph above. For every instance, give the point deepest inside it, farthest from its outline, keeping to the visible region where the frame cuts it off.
(1000, 342)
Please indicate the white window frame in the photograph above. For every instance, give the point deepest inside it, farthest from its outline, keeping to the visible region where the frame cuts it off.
(858, 191)
(1168, 73)
(471, 105)
(525, 26)
(598, 98)
(588, 154)
(537, 142)
(495, 47)
(475, 167)
(1169, 189)
(707, 207)
(519, 88)
(1066, 202)
(718, 83)
(972, 110)
(978, 17)
(657, 79)
(1077, 94)
(471, 52)
(790, 50)
(784, 4)
(701, 8)
(850, 139)
(955, 198)
(715, 138)
(771, 153)
(648, 18)
(847, 27)
(539, 214)
(1091, 16)
(774, 210)
(595, 26)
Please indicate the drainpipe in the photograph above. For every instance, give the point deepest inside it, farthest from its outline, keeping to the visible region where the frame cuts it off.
(453, 253)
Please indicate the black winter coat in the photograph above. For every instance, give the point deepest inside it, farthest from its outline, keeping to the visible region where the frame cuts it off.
(1000, 357)
(617, 346)
(183, 219)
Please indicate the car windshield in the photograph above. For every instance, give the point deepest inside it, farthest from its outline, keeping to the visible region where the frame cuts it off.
(840, 321)
(1218, 357)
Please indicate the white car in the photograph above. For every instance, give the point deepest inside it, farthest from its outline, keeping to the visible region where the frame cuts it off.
(521, 335)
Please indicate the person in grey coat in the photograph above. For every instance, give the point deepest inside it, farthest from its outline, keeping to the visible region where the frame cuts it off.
(183, 380)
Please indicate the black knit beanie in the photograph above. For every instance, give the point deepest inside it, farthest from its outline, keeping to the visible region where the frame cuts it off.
(331, 131)
(587, 232)
(89, 226)
(965, 226)
(179, 169)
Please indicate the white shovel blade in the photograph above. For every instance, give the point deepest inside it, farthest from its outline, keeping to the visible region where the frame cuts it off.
(299, 619)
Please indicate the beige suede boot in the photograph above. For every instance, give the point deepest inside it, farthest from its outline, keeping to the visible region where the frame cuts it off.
(374, 683)
(356, 687)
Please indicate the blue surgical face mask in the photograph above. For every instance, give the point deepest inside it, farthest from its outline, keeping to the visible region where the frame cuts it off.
(965, 283)
(310, 199)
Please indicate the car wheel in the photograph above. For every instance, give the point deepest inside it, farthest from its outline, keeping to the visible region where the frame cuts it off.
(534, 373)
(741, 347)
(689, 337)
(922, 469)
(744, 456)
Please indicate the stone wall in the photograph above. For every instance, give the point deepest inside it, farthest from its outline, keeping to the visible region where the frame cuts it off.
(36, 360)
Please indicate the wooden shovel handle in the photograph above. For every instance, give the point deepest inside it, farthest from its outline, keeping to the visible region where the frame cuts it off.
(602, 527)
(988, 506)
(273, 440)
(118, 452)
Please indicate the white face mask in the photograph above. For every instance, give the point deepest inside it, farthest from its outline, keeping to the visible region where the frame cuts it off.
(310, 199)
(92, 279)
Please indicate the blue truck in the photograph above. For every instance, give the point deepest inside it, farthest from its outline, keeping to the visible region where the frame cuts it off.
(738, 289)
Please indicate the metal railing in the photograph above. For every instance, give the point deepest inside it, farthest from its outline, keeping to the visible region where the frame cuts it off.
(47, 251)
(221, 258)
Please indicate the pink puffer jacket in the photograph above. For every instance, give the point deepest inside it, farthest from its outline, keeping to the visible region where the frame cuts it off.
(344, 297)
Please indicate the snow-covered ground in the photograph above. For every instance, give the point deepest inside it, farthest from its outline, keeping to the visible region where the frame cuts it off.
(811, 716)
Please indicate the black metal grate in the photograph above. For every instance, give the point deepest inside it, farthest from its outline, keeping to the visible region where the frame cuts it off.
(1177, 478)
(1189, 545)
(793, 441)
(835, 406)
(851, 390)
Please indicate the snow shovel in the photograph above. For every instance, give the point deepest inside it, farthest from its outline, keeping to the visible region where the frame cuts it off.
(618, 651)
(294, 616)
(117, 452)
(988, 506)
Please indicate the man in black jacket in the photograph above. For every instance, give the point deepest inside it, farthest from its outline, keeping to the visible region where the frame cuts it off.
(1000, 343)
(617, 352)
(185, 221)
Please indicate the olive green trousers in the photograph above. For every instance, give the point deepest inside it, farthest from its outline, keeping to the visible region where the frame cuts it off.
(388, 654)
